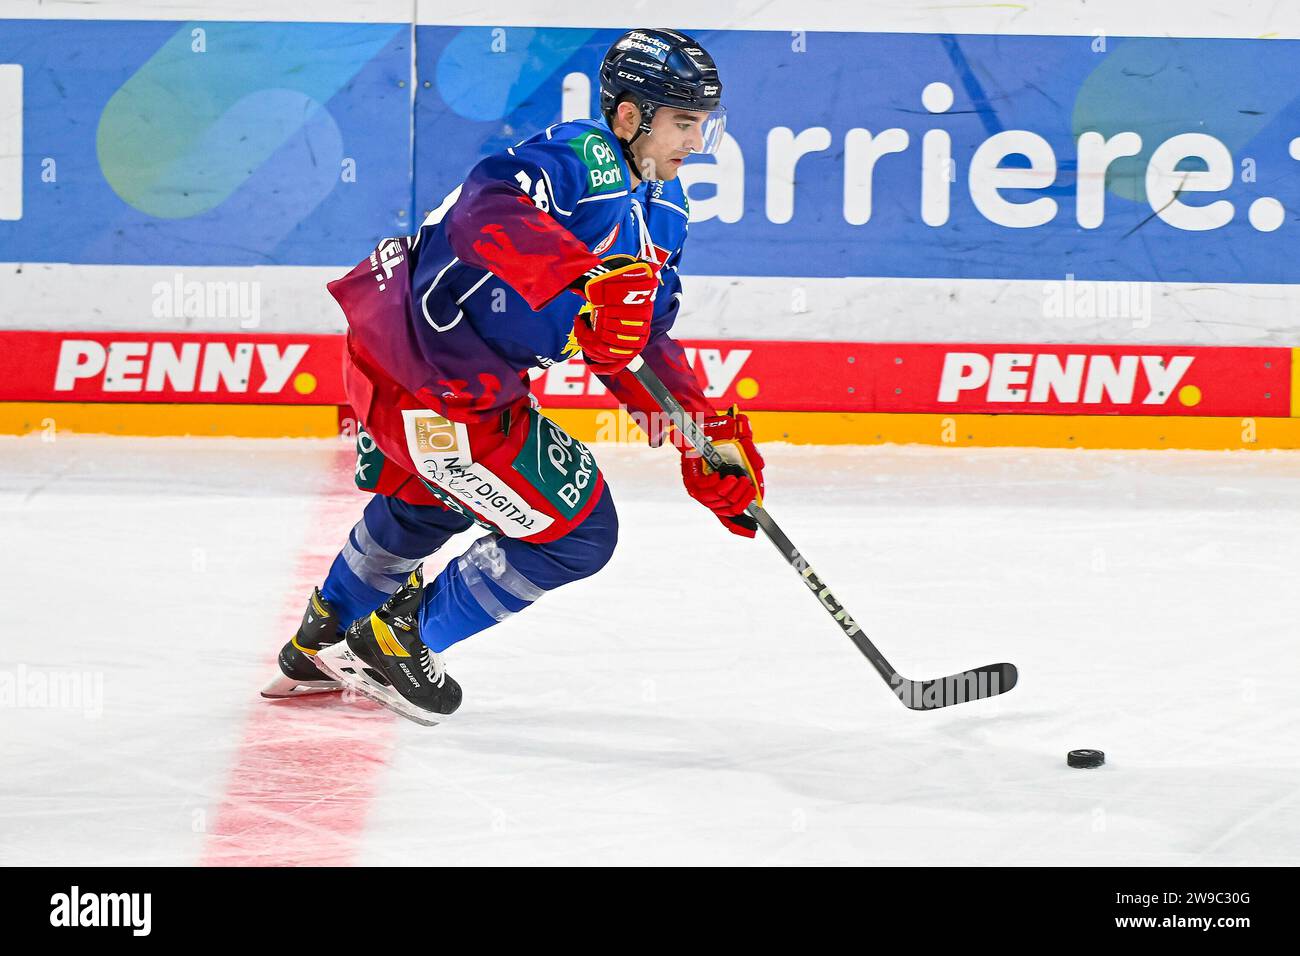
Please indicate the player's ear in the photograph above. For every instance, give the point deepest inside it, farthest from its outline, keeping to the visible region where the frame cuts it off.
(629, 114)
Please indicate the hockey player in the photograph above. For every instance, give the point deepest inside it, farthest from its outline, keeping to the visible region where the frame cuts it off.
(567, 241)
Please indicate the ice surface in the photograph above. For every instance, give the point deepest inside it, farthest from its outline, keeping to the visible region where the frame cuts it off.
(690, 703)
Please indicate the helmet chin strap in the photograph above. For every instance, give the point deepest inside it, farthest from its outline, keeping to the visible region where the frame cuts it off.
(647, 111)
(627, 151)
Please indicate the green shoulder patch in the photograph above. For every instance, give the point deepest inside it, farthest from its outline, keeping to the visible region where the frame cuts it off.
(604, 173)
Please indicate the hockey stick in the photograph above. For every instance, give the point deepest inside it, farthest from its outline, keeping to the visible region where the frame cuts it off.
(988, 681)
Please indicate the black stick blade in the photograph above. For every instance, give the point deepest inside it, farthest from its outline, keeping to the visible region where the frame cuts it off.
(982, 682)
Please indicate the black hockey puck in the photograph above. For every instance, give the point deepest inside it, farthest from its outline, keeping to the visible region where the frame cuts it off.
(1085, 758)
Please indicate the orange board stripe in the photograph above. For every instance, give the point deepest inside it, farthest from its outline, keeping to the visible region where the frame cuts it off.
(604, 425)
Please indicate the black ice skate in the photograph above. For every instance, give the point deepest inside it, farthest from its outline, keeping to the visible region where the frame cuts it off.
(299, 674)
(383, 658)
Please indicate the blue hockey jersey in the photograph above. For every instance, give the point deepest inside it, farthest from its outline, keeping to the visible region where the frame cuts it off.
(489, 271)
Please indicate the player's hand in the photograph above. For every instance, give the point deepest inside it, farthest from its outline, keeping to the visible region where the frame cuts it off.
(729, 492)
(614, 325)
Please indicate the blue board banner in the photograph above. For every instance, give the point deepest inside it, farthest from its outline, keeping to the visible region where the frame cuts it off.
(916, 153)
(849, 154)
(208, 143)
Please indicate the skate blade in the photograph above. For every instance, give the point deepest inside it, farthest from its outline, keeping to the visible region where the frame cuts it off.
(283, 688)
(349, 670)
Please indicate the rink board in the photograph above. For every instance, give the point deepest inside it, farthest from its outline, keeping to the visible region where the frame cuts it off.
(1096, 396)
(248, 149)
(230, 143)
(221, 169)
(588, 425)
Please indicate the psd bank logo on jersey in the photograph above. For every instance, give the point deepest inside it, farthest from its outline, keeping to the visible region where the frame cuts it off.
(603, 172)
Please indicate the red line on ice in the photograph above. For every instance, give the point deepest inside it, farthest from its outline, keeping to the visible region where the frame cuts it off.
(306, 770)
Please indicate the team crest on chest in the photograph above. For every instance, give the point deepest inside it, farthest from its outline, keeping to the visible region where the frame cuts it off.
(605, 243)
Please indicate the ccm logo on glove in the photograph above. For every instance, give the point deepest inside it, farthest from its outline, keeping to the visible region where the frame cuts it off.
(613, 326)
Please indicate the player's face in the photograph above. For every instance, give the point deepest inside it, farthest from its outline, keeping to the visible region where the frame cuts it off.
(674, 135)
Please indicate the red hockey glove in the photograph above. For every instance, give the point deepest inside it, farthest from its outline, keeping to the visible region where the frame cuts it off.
(614, 325)
(729, 492)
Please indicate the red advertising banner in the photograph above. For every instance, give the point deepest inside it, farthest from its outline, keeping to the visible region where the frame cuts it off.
(171, 367)
(771, 376)
(1000, 379)
(1083, 380)
(766, 376)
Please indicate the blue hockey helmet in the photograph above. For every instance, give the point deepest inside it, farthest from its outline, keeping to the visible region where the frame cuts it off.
(654, 68)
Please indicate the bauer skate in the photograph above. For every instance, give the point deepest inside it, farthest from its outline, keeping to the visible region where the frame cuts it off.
(383, 658)
(299, 674)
